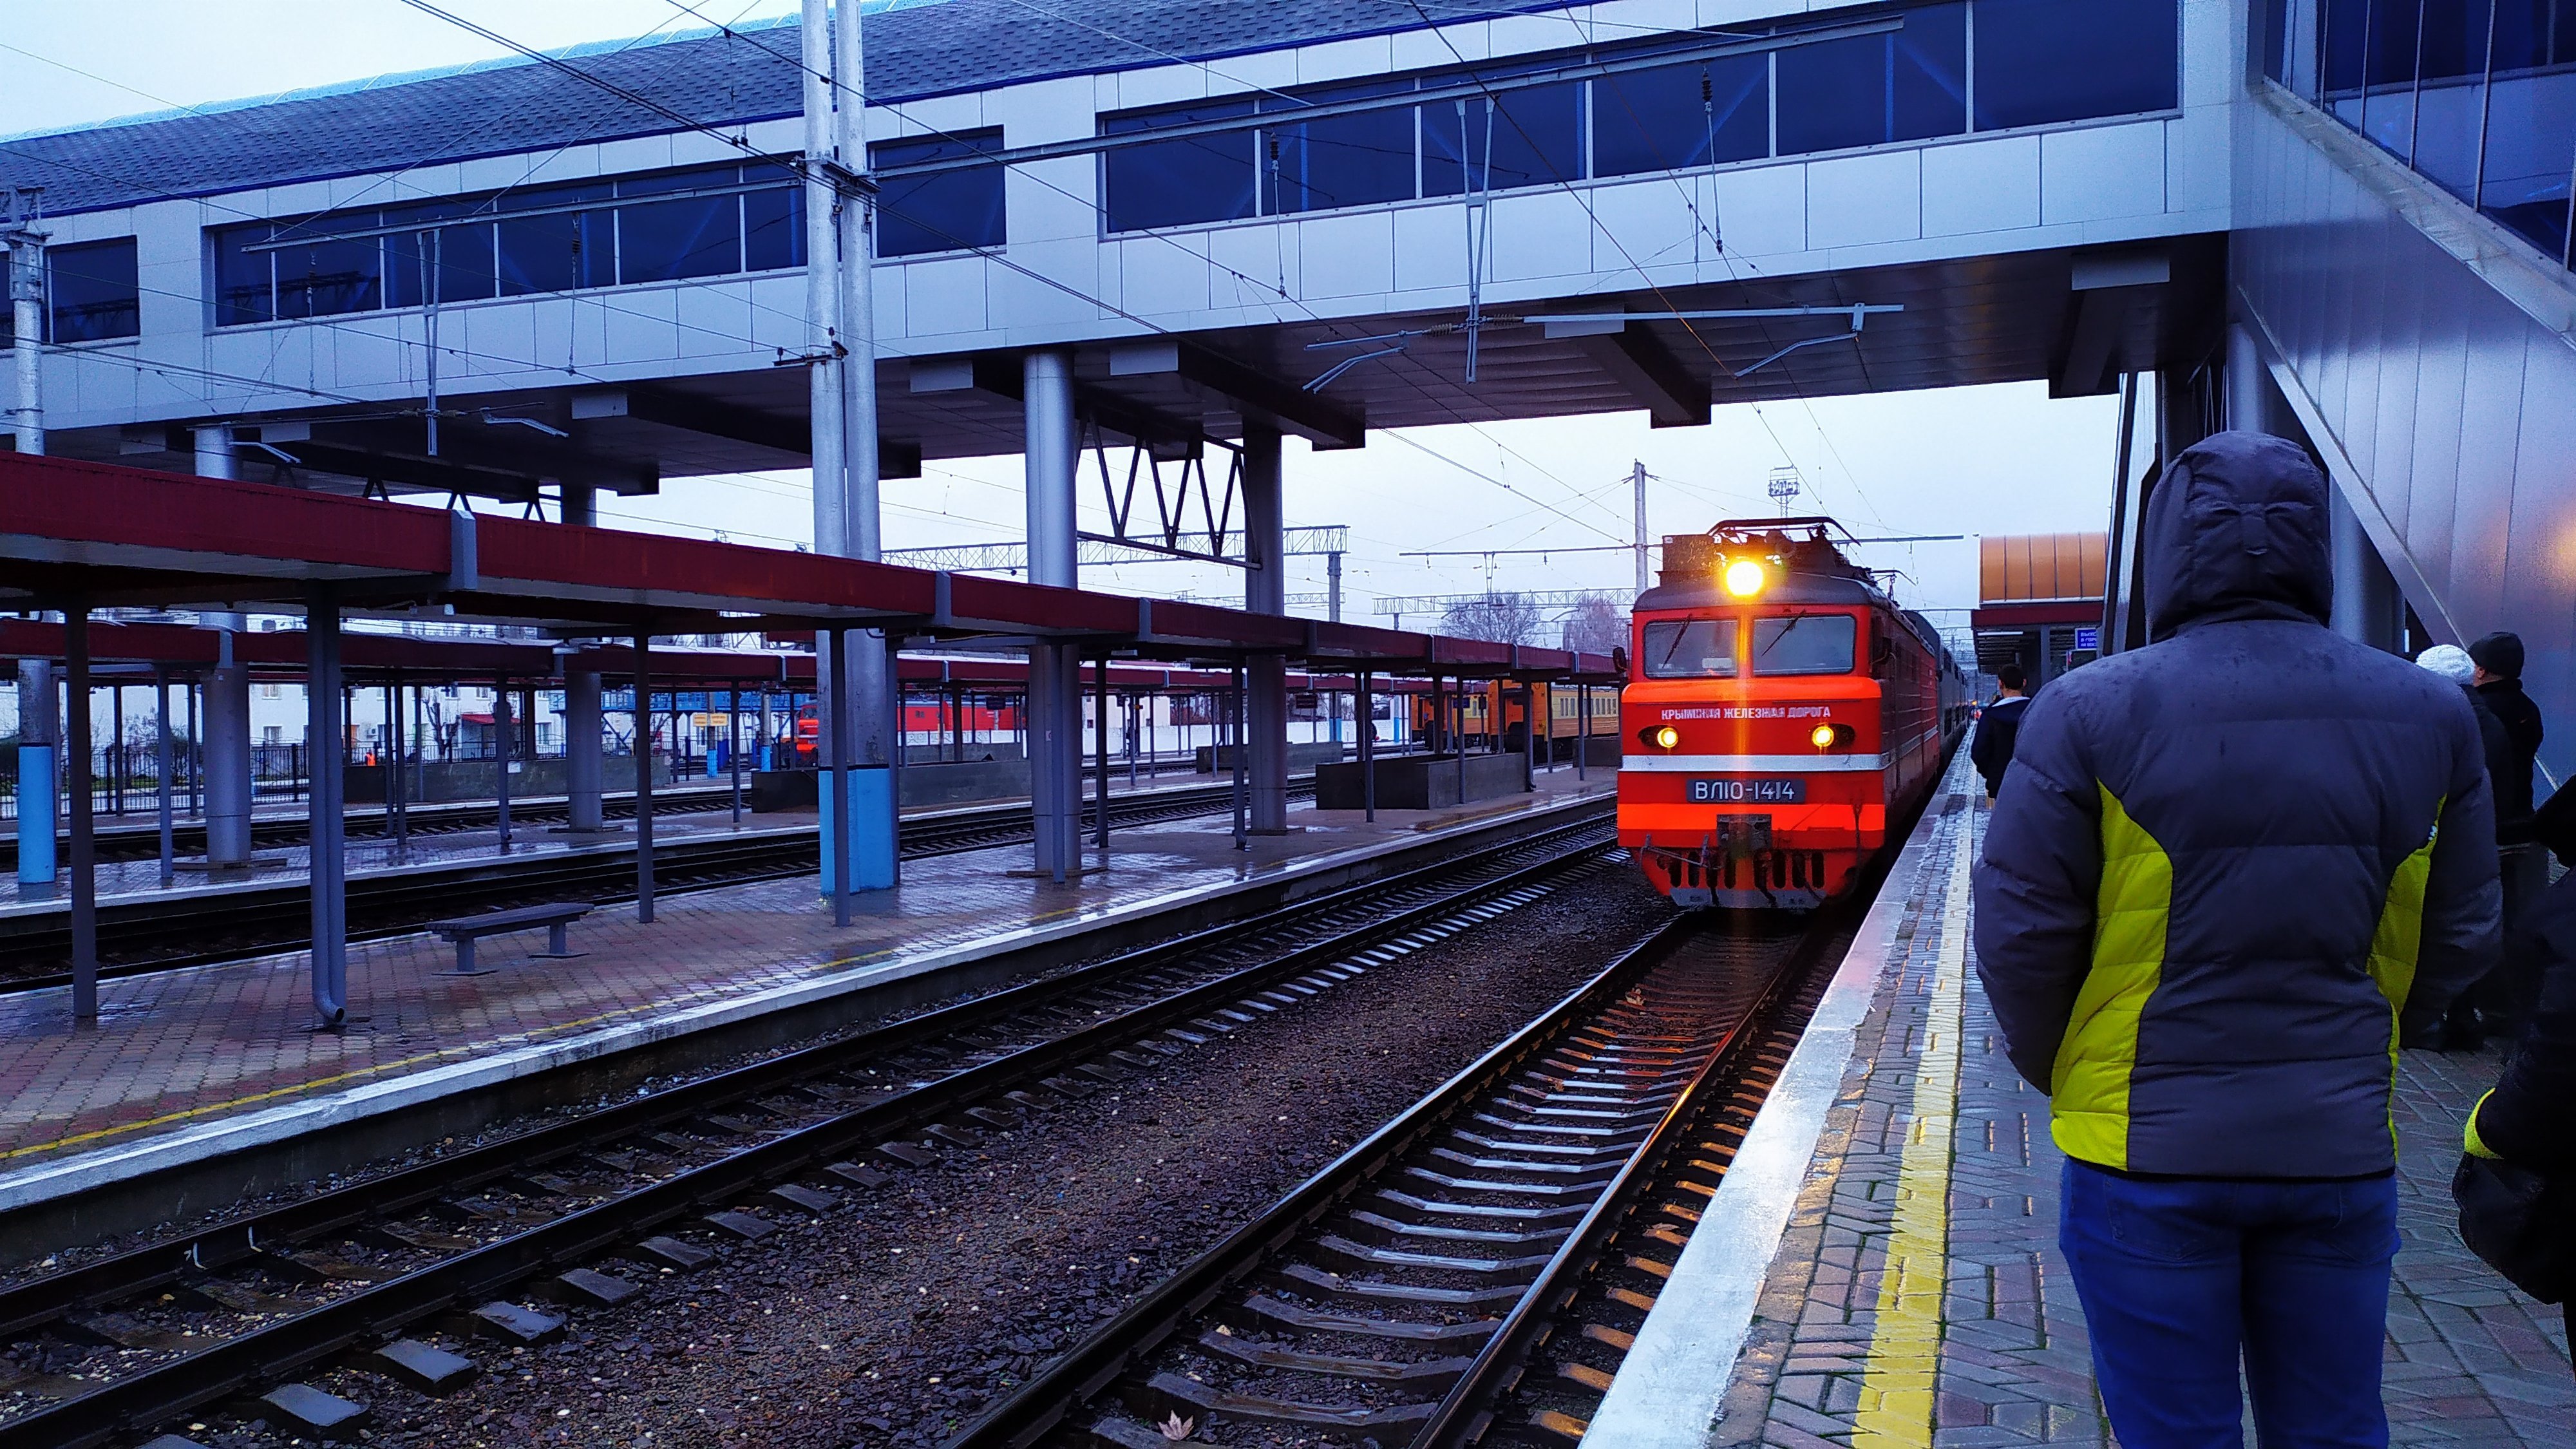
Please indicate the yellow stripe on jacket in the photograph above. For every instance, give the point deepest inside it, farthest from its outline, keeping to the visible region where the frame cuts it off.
(2089, 1083)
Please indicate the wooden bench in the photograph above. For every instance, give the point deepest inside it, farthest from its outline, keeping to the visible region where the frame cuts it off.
(464, 931)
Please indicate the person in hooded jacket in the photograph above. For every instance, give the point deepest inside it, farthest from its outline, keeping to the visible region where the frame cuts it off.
(2222, 864)
(2504, 1001)
(2463, 1026)
(1992, 749)
(2529, 1119)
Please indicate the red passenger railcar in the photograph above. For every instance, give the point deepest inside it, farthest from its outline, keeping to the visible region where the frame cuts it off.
(1780, 710)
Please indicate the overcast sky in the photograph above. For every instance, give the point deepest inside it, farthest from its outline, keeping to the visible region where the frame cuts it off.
(1967, 461)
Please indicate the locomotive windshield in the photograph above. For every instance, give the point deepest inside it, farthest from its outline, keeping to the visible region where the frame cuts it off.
(1805, 644)
(1690, 649)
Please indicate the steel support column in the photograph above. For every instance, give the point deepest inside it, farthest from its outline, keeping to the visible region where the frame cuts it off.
(326, 825)
(1367, 726)
(644, 778)
(1054, 724)
(161, 768)
(84, 838)
(224, 752)
(836, 762)
(1265, 591)
(585, 769)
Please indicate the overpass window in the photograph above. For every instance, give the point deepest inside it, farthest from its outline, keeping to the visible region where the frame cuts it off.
(945, 210)
(1183, 181)
(1682, 116)
(1355, 160)
(2044, 61)
(552, 251)
(317, 277)
(2531, 121)
(1531, 137)
(1869, 90)
(667, 241)
(91, 291)
(2477, 96)
(528, 241)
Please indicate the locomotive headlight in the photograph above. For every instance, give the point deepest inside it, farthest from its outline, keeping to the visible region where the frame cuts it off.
(1745, 577)
(1667, 737)
(1831, 736)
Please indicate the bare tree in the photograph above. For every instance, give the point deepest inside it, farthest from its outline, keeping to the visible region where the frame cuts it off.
(1497, 618)
(1597, 626)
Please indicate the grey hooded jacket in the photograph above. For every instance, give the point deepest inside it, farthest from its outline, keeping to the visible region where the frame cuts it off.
(2223, 862)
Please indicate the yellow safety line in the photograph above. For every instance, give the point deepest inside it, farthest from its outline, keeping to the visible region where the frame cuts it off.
(1896, 1395)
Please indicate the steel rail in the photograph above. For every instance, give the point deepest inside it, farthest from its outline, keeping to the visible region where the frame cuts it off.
(1041, 1404)
(144, 1400)
(1462, 1413)
(399, 901)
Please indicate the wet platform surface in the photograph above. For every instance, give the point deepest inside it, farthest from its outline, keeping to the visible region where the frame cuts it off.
(1882, 1268)
(176, 1051)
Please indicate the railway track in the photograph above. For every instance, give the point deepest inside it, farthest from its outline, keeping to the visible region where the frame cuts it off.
(146, 933)
(572, 1213)
(1473, 1272)
(123, 840)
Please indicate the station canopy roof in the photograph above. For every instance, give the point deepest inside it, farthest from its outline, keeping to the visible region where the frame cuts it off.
(101, 535)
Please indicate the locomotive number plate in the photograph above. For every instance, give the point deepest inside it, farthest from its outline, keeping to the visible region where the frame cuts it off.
(1767, 790)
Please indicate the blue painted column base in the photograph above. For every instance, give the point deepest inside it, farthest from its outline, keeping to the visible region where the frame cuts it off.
(872, 862)
(39, 814)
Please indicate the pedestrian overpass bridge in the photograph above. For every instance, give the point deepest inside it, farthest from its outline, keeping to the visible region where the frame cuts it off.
(1190, 222)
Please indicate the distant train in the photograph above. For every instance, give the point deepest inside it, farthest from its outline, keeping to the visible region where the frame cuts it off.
(1781, 710)
(1495, 715)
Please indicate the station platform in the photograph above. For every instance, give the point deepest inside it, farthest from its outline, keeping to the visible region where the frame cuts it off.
(192, 1065)
(1880, 1265)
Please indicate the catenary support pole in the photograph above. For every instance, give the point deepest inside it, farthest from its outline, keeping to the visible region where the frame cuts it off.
(876, 730)
(326, 822)
(644, 778)
(40, 763)
(397, 788)
(1242, 779)
(224, 751)
(84, 862)
(27, 303)
(1583, 729)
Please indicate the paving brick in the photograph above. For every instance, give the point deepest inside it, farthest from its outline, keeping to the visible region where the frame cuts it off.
(182, 1048)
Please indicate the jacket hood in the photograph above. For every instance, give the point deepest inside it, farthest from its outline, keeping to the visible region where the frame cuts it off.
(2238, 530)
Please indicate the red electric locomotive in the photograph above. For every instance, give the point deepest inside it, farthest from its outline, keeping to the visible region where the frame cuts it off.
(1780, 710)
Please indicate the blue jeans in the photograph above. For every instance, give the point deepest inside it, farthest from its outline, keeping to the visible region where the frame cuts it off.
(2178, 1278)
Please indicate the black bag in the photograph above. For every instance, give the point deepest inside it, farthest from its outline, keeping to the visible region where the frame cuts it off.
(2521, 1223)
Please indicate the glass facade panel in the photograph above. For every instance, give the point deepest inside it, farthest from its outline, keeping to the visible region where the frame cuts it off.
(1688, 115)
(1360, 160)
(1530, 137)
(944, 211)
(664, 241)
(91, 291)
(773, 229)
(2451, 93)
(1872, 89)
(327, 278)
(2531, 121)
(2478, 96)
(518, 243)
(245, 282)
(2045, 61)
(1179, 182)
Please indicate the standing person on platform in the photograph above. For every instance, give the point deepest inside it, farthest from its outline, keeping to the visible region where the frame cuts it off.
(2479, 1008)
(1997, 725)
(2506, 1000)
(2226, 861)
(2529, 1120)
